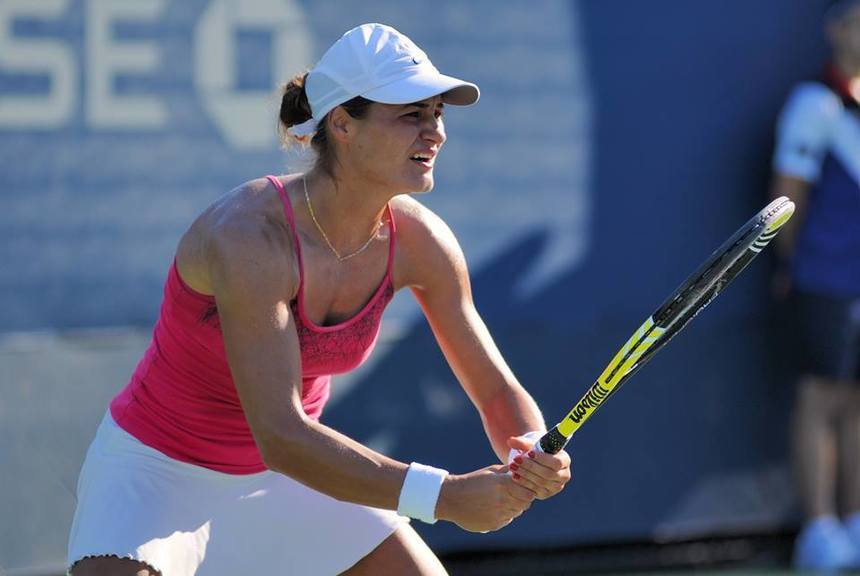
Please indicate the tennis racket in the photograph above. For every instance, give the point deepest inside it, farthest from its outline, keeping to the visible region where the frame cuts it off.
(689, 299)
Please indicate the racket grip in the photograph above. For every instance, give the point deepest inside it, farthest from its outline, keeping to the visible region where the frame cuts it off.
(553, 441)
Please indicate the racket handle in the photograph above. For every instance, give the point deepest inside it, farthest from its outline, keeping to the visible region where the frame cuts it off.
(553, 441)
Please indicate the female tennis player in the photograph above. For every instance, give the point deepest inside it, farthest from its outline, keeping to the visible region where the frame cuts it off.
(213, 459)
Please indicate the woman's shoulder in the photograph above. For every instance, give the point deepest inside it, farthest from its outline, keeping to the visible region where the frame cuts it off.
(418, 225)
(413, 217)
(248, 214)
(425, 240)
(245, 227)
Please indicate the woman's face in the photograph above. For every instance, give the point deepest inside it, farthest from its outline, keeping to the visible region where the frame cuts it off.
(395, 145)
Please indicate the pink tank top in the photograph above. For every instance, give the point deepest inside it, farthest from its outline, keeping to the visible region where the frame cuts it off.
(181, 399)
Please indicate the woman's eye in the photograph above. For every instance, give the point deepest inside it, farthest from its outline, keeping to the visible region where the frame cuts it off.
(413, 114)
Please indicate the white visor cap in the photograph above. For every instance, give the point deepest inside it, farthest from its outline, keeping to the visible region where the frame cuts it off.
(379, 63)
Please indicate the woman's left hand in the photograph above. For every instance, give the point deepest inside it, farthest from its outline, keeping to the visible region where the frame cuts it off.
(544, 474)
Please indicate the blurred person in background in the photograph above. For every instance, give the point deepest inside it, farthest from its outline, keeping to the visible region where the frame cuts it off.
(213, 459)
(817, 165)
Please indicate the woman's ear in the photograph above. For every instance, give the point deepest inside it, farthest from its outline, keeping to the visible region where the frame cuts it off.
(340, 124)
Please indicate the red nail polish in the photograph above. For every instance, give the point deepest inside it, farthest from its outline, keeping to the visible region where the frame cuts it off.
(518, 459)
(516, 476)
(531, 453)
(514, 467)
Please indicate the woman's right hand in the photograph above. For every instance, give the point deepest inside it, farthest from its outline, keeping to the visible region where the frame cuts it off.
(482, 501)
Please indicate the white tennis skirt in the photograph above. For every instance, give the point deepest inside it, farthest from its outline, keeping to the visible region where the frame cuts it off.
(181, 519)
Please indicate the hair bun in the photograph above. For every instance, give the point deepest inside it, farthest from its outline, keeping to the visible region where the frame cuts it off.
(295, 107)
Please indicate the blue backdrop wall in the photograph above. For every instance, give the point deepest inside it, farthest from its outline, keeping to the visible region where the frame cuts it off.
(615, 145)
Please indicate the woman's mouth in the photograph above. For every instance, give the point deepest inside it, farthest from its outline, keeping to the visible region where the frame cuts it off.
(425, 160)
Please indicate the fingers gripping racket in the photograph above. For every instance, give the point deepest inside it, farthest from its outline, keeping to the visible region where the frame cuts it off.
(689, 299)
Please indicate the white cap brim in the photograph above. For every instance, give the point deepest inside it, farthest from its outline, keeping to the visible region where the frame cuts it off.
(421, 86)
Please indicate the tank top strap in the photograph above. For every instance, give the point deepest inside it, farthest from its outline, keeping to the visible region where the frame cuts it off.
(392, 230)
(291, 220)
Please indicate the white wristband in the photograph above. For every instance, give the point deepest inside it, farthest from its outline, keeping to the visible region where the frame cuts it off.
(533, 437)
(420, 492)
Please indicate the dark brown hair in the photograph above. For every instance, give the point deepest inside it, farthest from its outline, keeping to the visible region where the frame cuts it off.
(296, 109)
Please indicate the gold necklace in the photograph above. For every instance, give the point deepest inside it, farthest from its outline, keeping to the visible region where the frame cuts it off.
(325, 236)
